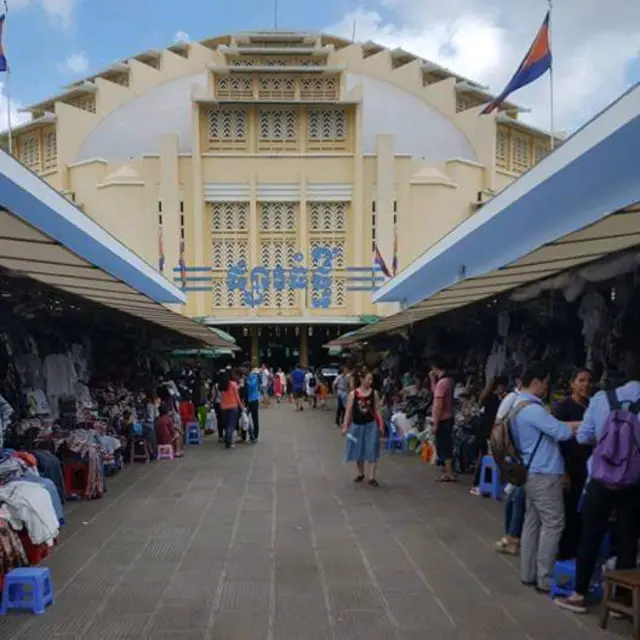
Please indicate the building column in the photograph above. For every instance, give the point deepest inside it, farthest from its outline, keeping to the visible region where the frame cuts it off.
(304, 346)
(255, 347)
(201, 232)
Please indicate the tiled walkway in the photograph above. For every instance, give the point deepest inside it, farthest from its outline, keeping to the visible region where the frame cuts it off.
(275, 542)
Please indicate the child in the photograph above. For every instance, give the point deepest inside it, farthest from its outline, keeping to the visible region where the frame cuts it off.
(323, 394)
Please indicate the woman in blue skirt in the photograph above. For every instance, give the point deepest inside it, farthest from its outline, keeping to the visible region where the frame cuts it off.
(361, 428)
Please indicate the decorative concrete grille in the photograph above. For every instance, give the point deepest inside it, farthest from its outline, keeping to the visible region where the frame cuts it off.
(234, 87)
(520, 153)
(227, 124)
(501, 149)
(277, 253)
(228, 251)
(278, 124)
(30, 152)
(466, 101)
(278, 216)
(50, 145)
(319, 88)
(338, 293)
(86, 103)
(327, 124)
(327, 216)
(229, 217)
(223, 297)
(276, 88)
(288, 61)
(337, 246)
(540, 151)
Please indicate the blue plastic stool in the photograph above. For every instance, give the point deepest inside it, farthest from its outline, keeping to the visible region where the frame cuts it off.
(27, 588)
(395, 441)
(490, 484)
(193, 435)
(564, 580)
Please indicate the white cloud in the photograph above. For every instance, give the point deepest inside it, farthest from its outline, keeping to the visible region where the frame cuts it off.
(76, 63)
(181, 36)
(485, 40)
(59, 10)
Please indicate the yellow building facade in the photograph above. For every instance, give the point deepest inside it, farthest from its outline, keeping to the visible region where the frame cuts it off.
(261, 171)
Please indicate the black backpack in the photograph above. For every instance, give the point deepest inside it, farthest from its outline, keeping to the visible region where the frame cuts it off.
(312, 381)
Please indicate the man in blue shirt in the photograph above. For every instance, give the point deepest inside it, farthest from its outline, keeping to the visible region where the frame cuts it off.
(252, 398)
(297, 381)
(536, 434)
(600, 501)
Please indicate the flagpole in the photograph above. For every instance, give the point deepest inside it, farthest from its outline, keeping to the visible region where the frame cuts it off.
(8, 96)
(551, 85)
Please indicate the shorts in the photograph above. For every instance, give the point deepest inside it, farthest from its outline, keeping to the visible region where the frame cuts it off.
(444, 440)
(298, 394)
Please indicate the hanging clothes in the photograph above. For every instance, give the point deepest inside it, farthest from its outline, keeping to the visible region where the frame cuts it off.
(12, 555)
(49, 467)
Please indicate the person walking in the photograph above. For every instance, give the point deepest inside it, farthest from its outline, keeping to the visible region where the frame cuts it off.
(442, 386)
(252, 386)
(341, 389)
(362, 428)
(230, 405)
(298, 385)
(279, 385)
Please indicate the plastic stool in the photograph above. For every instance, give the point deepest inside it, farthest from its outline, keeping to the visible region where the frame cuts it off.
(564, 580)
(165, 452)
(76, 475)
(27, 588)
(193, 435)
(490, 484)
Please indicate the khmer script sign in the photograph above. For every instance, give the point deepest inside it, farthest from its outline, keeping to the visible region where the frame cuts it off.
(259, 280)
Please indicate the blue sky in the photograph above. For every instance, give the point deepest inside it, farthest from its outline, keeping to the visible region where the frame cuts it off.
(50, 43)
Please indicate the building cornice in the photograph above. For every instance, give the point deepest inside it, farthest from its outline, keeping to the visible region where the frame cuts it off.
(79, 90)
(226, 69)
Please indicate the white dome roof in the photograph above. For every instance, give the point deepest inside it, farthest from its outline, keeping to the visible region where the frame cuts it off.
(137, 126)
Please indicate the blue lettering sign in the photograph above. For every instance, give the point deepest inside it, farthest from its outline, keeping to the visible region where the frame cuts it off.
(322, 257)
(298, 275)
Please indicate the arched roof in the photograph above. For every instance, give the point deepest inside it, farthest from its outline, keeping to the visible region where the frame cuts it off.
(137, 126)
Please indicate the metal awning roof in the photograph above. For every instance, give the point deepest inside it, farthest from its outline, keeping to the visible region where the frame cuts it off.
(615, 233)
(592, 174)
(45, 237)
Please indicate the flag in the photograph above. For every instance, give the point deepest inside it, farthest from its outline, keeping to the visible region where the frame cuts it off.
(394, 262)
(535, 64)
(3, 59)
(379, 261)
(160, 251)
(183, 266)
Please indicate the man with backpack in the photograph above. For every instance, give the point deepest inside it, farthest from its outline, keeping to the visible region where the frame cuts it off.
(611, 423)
(526, 449)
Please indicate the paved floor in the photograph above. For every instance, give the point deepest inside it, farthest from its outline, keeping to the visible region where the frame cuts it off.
(275, 542)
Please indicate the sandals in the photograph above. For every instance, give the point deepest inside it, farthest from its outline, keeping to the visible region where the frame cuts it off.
(507, 547)
(374, 483)
(445, 479)
(359, 478)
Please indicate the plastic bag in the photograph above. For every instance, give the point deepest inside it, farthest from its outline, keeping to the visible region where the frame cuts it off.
(211, 423)
(244, 420)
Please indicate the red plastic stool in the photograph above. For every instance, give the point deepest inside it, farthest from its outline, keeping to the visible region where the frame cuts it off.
(76, 477)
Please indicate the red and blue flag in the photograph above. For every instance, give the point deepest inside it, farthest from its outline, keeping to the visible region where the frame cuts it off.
(379, 261)
(3, 59)
(535, 64)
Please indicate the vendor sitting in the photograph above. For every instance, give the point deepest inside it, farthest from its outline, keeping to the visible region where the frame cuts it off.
(166, 433)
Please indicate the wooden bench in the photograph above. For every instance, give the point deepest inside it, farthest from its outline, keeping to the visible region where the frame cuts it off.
(624, 579)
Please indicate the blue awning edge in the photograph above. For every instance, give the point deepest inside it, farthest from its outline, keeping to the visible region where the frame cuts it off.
(32, 200)
(592, 174)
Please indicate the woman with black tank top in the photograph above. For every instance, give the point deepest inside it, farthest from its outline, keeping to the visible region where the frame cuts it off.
(361, 427)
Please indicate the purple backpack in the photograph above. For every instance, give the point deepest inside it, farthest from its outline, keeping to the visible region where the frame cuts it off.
(616, 457)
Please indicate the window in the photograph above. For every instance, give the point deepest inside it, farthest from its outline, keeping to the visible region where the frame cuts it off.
(30, 151)
(85, 102)
(319, 88)
(278, 128)
(234, 87)
(327, 216)
(229, 246)
(327, 129)
(229, 217)
(501, 149)
(520, 153)
(50, 146)
(278, 216)
(276, 88)
(540, 151)
(227, 128)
